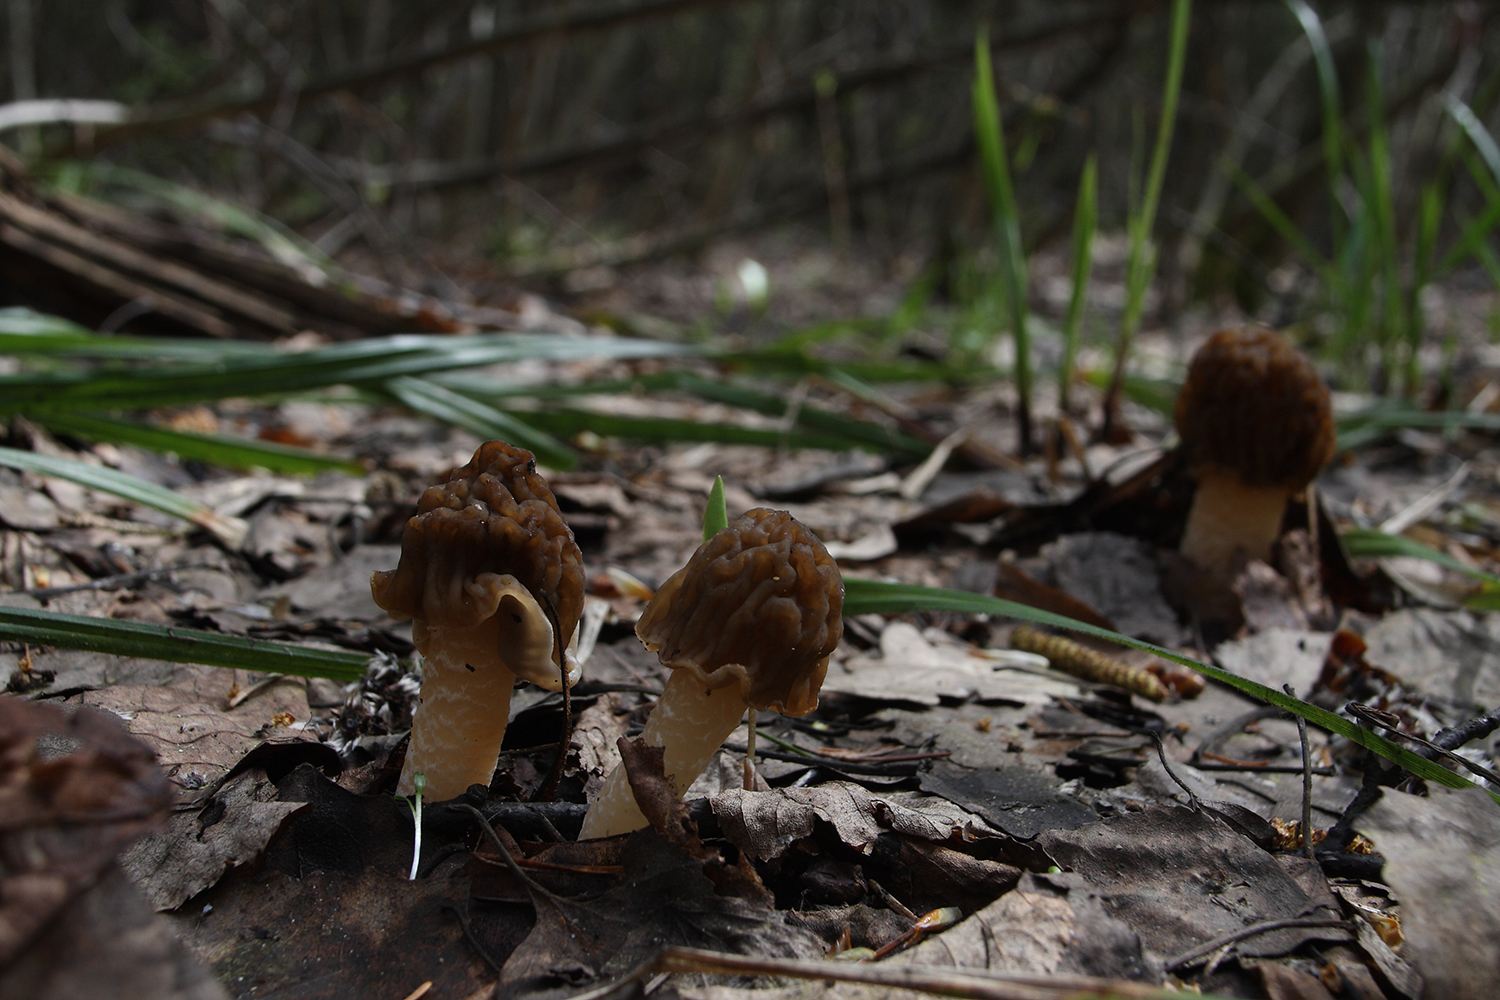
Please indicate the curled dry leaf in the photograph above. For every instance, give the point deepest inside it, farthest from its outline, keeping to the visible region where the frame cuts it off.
(764, 825)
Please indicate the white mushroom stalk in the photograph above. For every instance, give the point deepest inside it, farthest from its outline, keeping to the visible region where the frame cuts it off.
(689, 724)
(493, 584)
(748, 623)
(468, 673)
(1229, 519)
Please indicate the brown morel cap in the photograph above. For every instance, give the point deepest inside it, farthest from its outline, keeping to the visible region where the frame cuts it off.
(760, 604)
(495, 515)
(1255, 407)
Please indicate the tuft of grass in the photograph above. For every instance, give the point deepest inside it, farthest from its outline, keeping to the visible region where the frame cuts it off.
(1376, 268)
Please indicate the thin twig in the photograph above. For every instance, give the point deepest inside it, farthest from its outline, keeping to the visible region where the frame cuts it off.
(1423, 748)
(1253, 930)
(532, 886)
(463, 922)
(109, 582)
(1307, 842)
(1475, 729)
(945, 981)
(1161, 754)
(1341, 834)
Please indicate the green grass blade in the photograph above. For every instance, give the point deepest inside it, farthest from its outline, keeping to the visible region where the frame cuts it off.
(715, 514)
(1480, 136)
(1430, 218)
(1141, 257)
(177, 645)
(1380, 201)
(119, 484)
(656, 430)
(367, 361)
(1328, 92)
(1284, 226)
(1476, 231)
(215, 449)
(24, 332)
(989, 133)
(876, 597)
(1367, 543)
(1085, 221)
(808, 416)
(444, 404)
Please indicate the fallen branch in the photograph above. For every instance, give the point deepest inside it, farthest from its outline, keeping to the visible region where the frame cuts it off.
(944, 981)
(544, 24)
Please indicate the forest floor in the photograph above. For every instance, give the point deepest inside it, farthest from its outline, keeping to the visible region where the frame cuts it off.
(1037, 823)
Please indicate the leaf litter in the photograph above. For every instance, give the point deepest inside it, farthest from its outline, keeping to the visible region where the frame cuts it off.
(280, 862)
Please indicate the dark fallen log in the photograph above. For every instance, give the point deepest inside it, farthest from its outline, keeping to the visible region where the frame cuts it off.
(106, 268)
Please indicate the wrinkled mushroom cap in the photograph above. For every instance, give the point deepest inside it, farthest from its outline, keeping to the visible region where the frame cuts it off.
(491, 538)
(1253, 406)
(760, 605)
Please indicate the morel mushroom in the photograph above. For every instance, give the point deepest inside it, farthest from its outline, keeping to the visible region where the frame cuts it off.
(749, 622)
(493, 583)
(1256, 428)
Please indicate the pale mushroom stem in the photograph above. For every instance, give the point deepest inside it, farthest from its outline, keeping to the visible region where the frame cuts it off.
(1228, 517)
(458, 726)
(689, 724)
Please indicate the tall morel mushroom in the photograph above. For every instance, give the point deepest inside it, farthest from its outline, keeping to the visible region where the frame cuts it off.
(1256, 427)
(749, 622)
(493, 583)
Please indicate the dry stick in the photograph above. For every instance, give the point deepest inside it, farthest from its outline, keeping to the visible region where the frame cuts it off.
(1307, 841)
(1475, 729)
(112, 282)
(1235, 937)
(1424, 748)
(547, 23)
(1161, 753)
(490, 836)
(111, 582)
(944, 981)
(119, 256)
(1341, 834)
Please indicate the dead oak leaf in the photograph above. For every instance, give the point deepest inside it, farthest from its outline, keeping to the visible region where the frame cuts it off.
(195, 737)
(199, 845)
(764, 824)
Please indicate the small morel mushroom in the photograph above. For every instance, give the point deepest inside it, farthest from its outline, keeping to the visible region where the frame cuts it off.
(493, 583)
(749, 622)
(1256, 428)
